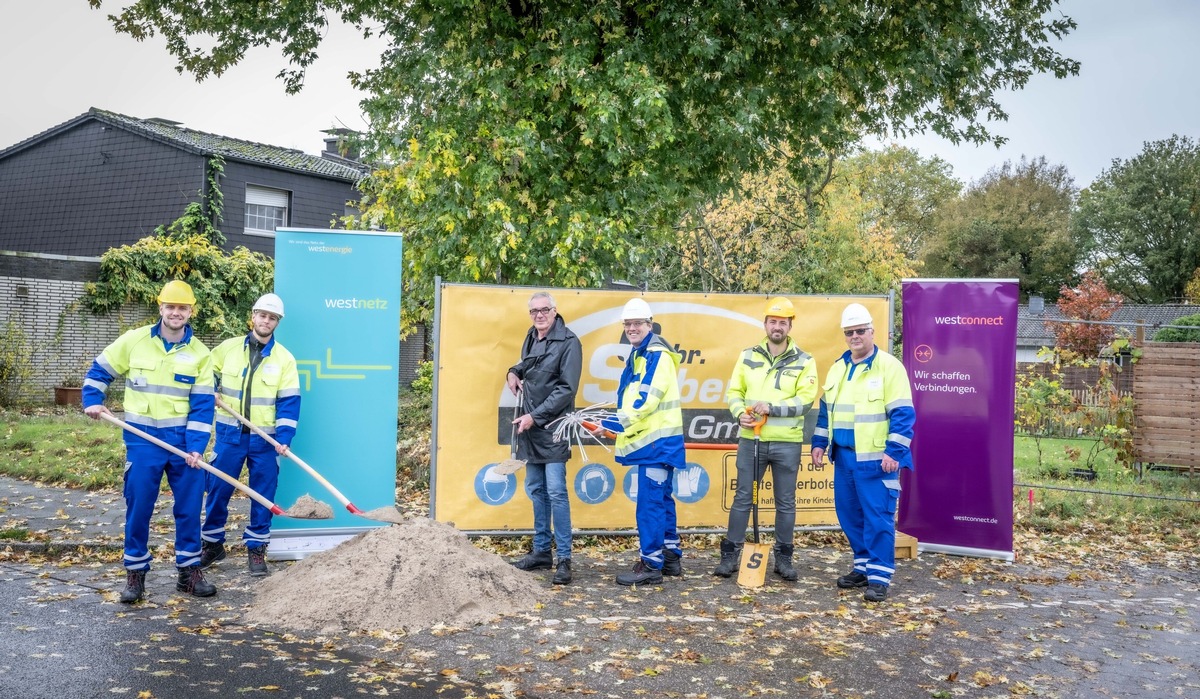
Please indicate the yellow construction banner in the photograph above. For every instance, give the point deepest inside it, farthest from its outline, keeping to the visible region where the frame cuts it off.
(478, 333)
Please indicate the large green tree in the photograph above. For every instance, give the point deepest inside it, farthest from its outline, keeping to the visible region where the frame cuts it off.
(1012, 222)
(1139, 222)
(903, 190)
(777, 235)
(541, 141)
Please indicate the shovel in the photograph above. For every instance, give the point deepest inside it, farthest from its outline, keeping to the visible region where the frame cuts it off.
(512, 464)
(309, 469)
(275, 509)
(754, 556)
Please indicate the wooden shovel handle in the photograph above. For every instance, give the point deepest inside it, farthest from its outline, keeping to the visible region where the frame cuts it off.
(275, 509)
(311, 471)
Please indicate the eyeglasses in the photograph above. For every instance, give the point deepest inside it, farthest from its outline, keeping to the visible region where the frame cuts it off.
(535, 312)
(856, 331)
(634, 323)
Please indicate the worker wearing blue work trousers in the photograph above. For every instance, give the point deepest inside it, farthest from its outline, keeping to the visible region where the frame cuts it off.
(168, 395)
(866, 425)
(649, 427)
(256, 377)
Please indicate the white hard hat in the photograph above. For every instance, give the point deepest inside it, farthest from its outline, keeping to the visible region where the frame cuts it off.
(269, 303)
(636, 309)
(856, 314)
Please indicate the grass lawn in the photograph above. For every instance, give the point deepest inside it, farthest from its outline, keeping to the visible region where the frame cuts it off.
(1059, 500)
(61, 448)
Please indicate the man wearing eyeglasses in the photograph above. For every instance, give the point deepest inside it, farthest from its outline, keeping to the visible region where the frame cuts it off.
(865, 424)
(545, 382)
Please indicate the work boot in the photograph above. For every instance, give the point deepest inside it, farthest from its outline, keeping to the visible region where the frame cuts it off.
(191, 581)
(673, 563)
(851, 580)
(211, 552)
(135, 586)
(876, 592)
(256, 560)
(538, 560)
(562, 574)
(783, 561)
(641, 574)
(730, 553)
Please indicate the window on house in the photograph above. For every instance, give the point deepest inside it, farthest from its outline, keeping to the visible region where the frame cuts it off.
(266, 210)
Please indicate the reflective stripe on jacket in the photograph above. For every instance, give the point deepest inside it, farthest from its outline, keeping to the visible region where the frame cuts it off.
(788, 383)
(166, 386)
(649, 422)
(867, 406)
(274, 394)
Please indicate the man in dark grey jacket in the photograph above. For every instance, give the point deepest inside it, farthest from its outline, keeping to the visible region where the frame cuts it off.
(546, 380)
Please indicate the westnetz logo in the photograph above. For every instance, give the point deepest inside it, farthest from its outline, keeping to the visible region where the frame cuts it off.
(345, 250)
(357, 304)
(968, 320)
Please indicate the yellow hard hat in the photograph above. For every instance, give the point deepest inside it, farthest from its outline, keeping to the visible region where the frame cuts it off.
(780, 308)
(177, 291)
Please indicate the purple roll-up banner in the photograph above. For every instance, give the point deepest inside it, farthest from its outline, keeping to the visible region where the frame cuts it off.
(960, 349)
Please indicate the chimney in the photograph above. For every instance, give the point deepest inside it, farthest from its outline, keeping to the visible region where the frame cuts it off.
(338, 144)
(1037, 305)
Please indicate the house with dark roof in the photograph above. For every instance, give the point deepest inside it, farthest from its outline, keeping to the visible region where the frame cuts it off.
(104, 179)
(1033, 333)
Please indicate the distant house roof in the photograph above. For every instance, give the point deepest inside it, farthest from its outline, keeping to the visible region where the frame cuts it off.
(1032, 330)
(208, 144)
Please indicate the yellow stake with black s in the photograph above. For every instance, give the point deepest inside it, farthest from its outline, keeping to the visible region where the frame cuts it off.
(755, 556)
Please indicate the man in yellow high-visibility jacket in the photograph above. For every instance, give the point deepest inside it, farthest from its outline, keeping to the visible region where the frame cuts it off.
(776, 379)
(866, 426)
(168, 395)
(256, 377)
(649, 428)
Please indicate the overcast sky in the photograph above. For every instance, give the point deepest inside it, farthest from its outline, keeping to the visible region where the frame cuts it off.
(59, 57)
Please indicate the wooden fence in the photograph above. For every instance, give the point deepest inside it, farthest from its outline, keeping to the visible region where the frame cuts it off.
(1080, 381)
(1166, 388)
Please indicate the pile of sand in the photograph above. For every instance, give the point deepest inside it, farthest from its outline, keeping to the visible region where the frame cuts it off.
(397, 578)
(308, 507)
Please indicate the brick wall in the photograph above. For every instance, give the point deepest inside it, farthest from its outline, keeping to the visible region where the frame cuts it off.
(42, 293)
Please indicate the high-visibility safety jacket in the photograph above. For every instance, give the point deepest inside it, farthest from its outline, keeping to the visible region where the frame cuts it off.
(649, 421)
(867, 407)
(273, 386)
(788, 383)
(168, 387)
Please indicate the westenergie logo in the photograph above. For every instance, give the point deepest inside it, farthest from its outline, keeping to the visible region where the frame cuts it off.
(968, 320)
(346, 250)
(357, 304)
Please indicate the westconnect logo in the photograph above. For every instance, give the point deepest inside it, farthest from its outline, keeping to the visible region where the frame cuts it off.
(356, 304)
(968, 320)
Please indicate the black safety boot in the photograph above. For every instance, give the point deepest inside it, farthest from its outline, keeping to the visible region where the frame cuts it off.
(876, 592)
(730, 553)
(851, 580)
(562, 574)
(641, 574)
(538, 560)
(783, 561)
(135, 586)
(210, 553)
(256, 560)
(191, 581)
(672, 563)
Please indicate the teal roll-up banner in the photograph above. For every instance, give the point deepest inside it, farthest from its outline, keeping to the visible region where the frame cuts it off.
(341, 294)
